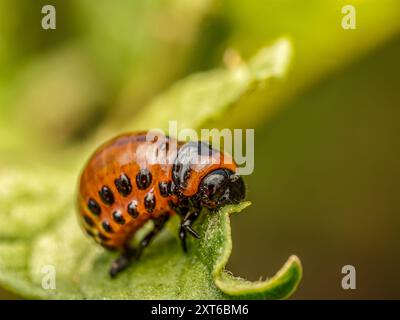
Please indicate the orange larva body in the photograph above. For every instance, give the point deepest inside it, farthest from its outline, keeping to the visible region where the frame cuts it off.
(122, 187)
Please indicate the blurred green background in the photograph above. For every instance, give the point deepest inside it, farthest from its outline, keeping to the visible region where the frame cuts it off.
(326, 181)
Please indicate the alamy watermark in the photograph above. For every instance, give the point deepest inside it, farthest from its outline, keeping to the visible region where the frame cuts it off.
(349, 18)
(237, 146)
(49, 277)
(349, 280)
(49, 18)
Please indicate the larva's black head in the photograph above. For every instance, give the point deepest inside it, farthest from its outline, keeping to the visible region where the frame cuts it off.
(221, 187)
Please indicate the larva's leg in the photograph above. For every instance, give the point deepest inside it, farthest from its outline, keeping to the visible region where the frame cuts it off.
(130, 253)
(158, 226)
(182, 237)
(119, 264)
(186, 226)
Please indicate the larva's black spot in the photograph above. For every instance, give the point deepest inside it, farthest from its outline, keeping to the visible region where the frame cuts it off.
(103, 237)
(118, 217)
(106, 195)
(88, 220)
(94, 207)
(107, 227)
(165, 188)
(150, 202)
(143, 179)
(132, 209)
(123, 185)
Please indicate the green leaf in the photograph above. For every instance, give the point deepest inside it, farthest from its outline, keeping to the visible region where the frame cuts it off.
(206, 96)
(322, 47)
(42, 230)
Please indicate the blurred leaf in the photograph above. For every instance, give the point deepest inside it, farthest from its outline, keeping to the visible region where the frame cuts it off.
(98, 65)
(321, 46)
(42, 229)
(31, 201)
(140, 45)
(62, 92)
(209, 95)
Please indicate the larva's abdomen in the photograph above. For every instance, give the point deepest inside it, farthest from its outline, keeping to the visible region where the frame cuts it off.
(120, 190)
